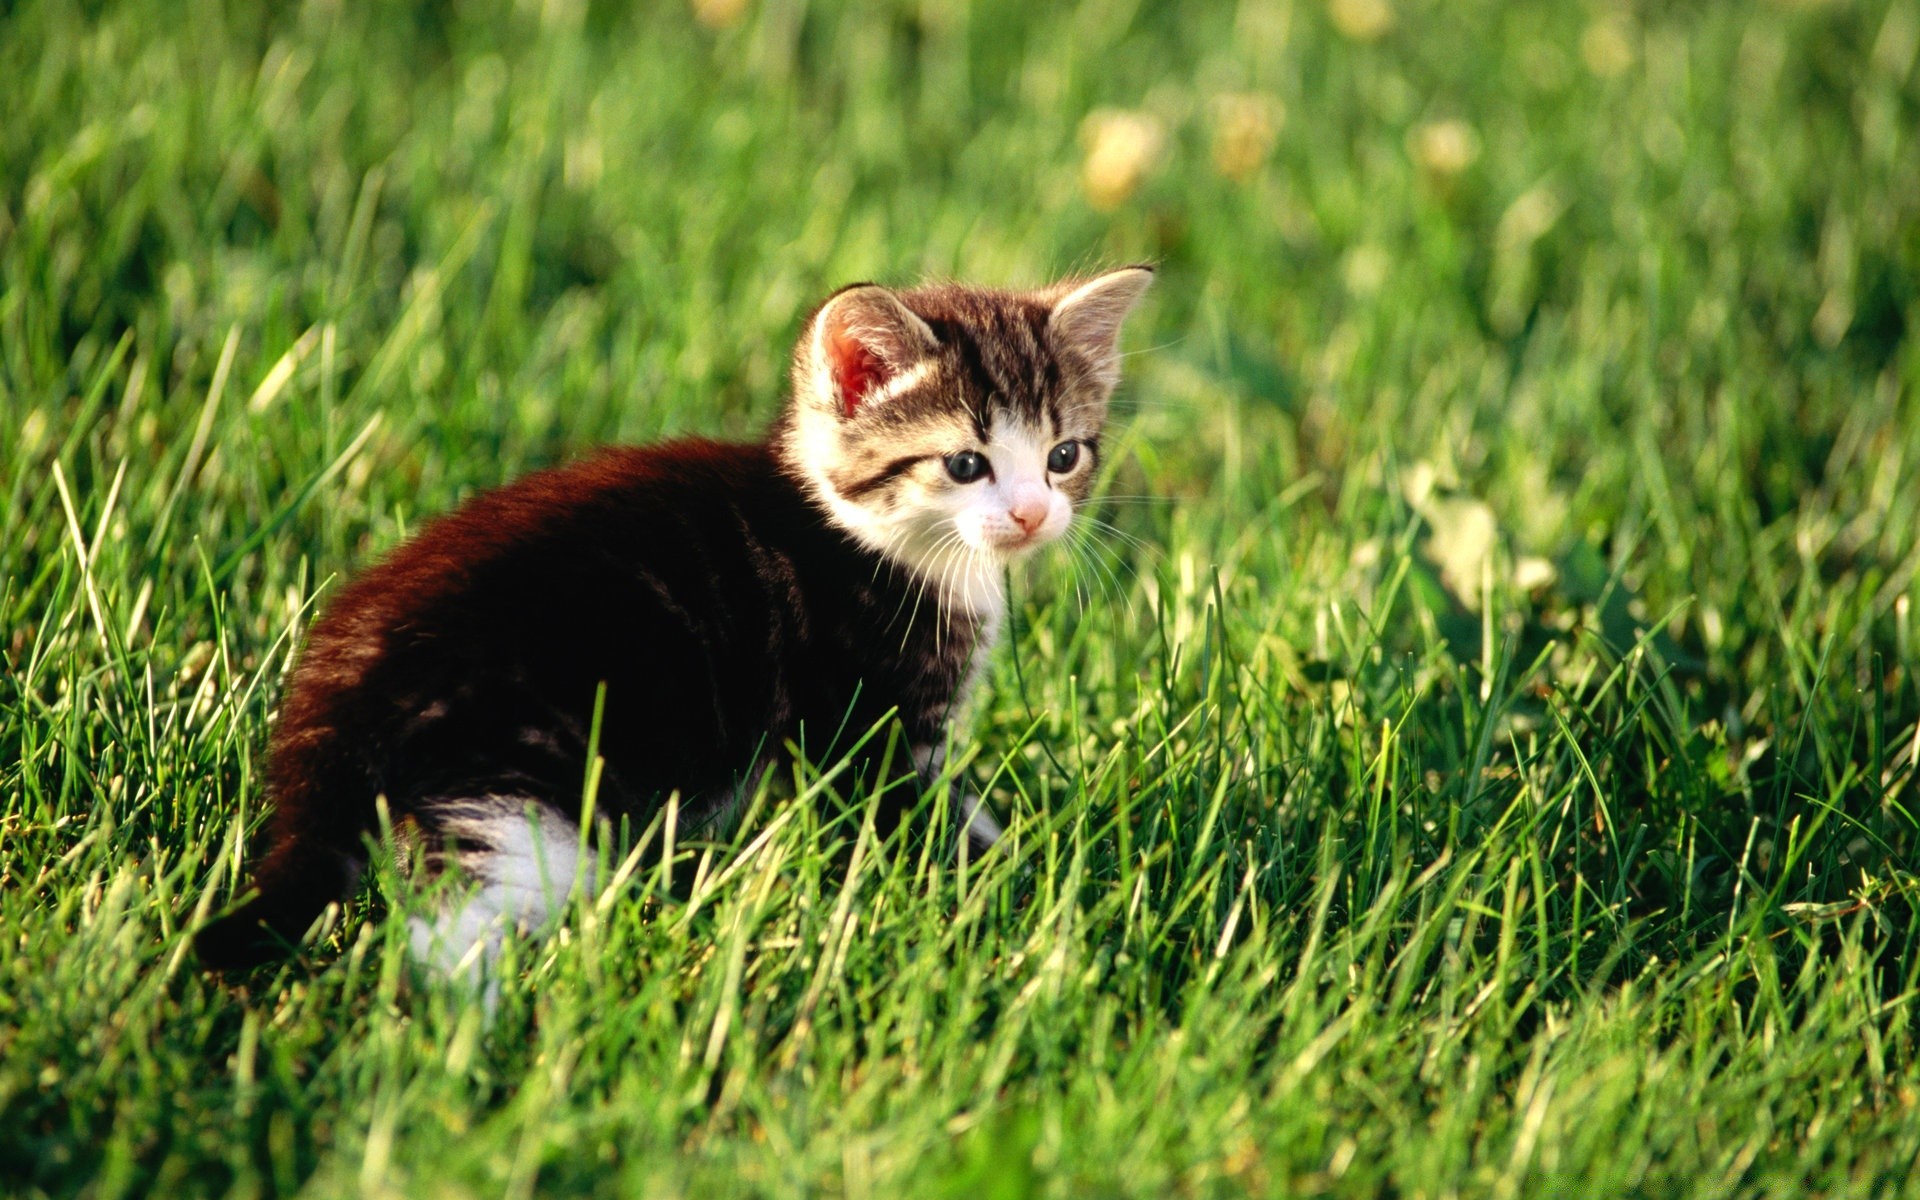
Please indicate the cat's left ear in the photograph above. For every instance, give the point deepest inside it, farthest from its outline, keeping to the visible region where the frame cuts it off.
(1085, 323)
(863, 340)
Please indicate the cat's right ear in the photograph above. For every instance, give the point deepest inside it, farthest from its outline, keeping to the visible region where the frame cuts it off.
(864, 340)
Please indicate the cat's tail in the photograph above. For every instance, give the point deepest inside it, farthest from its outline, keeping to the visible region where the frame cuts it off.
(291, 889)
(323, 803)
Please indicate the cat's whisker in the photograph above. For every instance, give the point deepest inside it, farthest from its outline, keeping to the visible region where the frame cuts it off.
(1111, 530)
(921, 580)
(1101, 575)
(1126, 354)
(895, 571)
(1076, 572)
(1102, 537)
(954, 558)
(944, 552)
(1103, 557)
(1099, 555)
(938, 572)
(1095, 530)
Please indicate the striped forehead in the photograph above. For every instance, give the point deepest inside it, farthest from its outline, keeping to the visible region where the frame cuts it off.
(996, 350)
(928, 420)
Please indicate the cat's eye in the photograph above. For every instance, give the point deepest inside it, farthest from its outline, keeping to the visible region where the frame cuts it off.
(1063, 457)
(966, 466)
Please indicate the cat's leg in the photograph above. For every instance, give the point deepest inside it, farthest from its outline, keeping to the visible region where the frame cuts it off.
(516, 860)
(978, 823)
(971, 816)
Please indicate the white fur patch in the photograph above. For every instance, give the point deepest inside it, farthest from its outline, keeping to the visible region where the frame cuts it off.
(530, 864)
(918, 535)
(902, 383)
(1020, 481)
(980, 825)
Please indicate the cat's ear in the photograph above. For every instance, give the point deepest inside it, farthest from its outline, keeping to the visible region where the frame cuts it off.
(863, 340)
(1085, 321)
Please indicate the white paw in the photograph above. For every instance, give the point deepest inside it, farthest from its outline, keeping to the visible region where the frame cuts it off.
(981, 828)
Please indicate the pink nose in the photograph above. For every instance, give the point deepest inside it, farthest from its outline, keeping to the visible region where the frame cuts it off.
(1028, 514)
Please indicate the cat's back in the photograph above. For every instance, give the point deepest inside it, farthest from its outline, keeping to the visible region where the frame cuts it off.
(590, 554)
(663, 575)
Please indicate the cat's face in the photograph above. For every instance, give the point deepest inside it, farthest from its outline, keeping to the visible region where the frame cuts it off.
(954, 428)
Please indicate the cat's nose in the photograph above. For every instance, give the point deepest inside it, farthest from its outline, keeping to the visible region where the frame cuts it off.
(1028, 513)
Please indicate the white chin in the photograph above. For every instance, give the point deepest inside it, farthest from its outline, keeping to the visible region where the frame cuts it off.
(1007, 548)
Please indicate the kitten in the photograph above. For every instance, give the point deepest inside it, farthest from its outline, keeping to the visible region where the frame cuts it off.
(728, 601)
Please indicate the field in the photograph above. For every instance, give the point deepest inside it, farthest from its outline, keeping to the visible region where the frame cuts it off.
(1474, 753)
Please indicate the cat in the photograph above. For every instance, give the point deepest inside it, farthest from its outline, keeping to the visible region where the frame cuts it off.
(714, 604)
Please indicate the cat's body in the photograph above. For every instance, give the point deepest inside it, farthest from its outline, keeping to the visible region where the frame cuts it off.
(721, 602)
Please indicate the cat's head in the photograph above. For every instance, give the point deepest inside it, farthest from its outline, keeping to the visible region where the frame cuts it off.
(952, 428)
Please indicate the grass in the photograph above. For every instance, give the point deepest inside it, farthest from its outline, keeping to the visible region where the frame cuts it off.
(1478, 759)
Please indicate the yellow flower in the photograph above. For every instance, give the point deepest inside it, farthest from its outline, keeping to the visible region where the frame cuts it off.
(1244, 128)
(719, 14)
(1607, 47)
(1444, 148)
(1365, 269)
(1122, 147)
(1361, 20)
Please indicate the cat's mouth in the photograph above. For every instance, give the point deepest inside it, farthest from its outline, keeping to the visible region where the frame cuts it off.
(1016, 544)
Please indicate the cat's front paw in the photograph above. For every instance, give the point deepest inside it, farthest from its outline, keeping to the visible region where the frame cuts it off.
(982, 830)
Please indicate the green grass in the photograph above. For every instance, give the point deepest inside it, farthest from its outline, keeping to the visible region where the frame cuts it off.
(1480, 760)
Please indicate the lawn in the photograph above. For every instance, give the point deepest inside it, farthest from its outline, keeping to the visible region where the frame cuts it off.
(1473, 755)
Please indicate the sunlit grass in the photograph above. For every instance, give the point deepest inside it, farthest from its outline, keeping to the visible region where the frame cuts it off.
(1473, 752)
